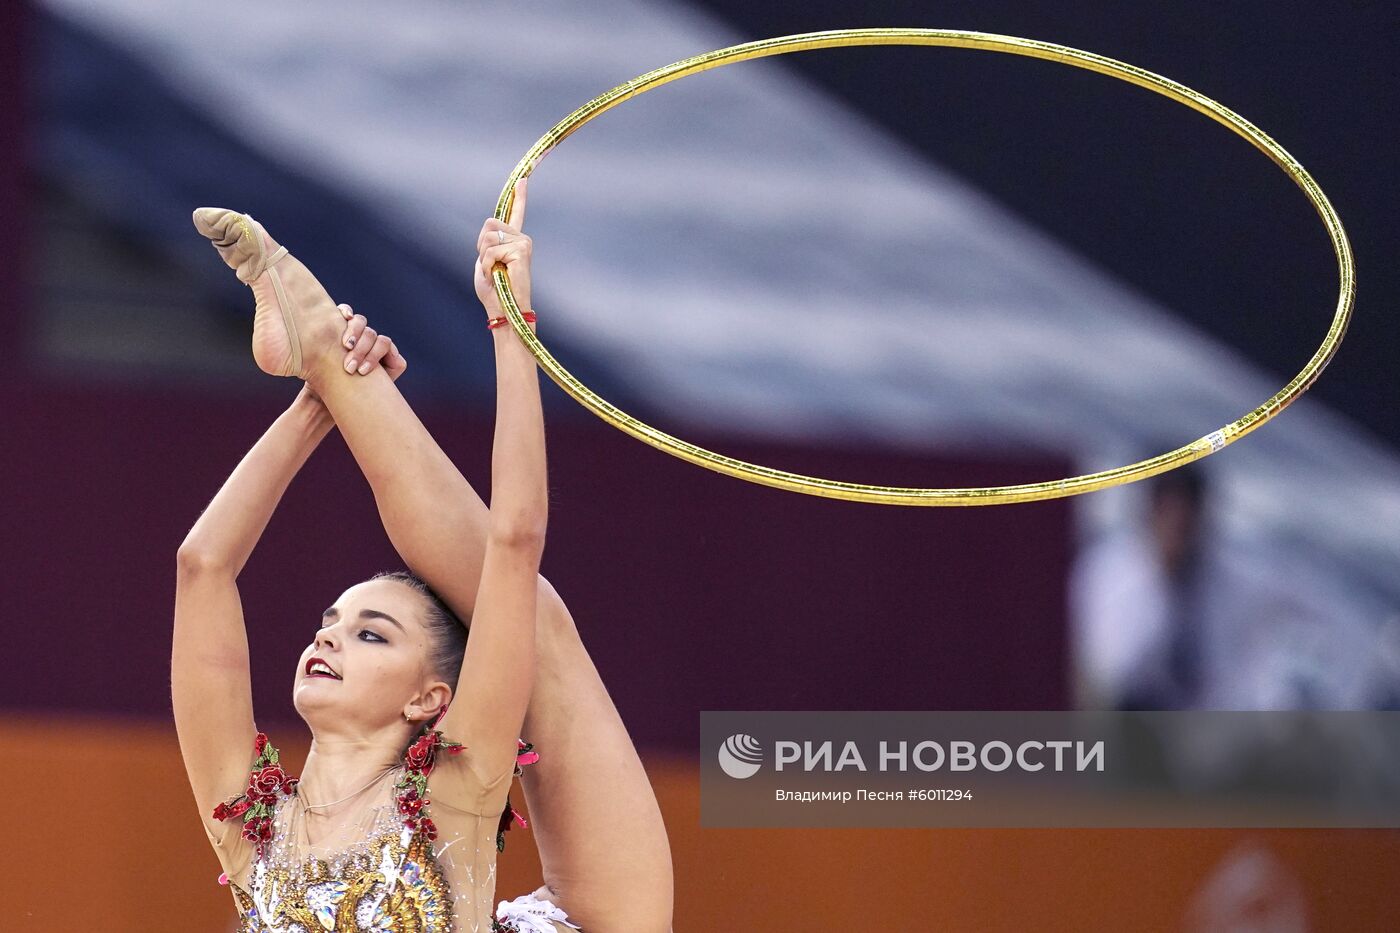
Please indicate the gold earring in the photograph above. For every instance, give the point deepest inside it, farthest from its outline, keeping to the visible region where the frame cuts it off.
(407, 719)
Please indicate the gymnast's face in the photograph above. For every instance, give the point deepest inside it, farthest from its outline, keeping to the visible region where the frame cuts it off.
(367, 664)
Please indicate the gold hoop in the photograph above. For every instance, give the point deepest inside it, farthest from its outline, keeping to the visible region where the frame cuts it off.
(898, 495)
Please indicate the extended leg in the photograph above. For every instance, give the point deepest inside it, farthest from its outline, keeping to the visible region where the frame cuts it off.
(595, 819)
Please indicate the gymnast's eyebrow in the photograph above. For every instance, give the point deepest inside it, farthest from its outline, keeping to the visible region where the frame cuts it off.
(333, 612)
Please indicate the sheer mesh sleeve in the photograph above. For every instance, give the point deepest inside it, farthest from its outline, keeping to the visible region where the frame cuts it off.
(458, 781)
(235, 854)
(461, 809)
(234, 850)
(466, 811)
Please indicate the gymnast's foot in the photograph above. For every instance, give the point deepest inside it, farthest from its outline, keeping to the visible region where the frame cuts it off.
(296, 322)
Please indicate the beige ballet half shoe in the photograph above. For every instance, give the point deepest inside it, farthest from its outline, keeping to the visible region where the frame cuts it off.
(295, 294)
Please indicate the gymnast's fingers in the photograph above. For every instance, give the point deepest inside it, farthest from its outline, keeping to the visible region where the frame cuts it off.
(363, 344)
(490, 233)
(487, 237)
(353, 328)
(348, 314)
(375, 354)
(517, 205)
(488, 260)
(394, 361)
(506, 252)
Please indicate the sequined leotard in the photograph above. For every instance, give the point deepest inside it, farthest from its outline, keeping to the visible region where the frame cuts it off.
(402, 871)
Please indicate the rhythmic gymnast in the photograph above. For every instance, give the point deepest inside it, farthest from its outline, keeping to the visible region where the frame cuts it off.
(415, 716)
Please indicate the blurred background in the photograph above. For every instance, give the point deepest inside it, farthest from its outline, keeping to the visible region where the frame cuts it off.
(904, 266)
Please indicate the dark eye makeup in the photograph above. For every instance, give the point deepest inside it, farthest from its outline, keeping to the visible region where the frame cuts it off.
(373, 636)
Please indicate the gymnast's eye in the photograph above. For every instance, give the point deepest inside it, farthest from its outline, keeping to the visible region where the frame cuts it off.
(373, 636)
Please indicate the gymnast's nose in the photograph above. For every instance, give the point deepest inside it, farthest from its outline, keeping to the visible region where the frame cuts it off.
(326, 638)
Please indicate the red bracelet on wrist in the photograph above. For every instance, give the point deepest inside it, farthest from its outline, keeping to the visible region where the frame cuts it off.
(498, 321)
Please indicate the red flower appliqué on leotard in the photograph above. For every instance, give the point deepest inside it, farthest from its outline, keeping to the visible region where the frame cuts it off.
(524, 755)
(267, 779)
(412, 789)
(255, 804)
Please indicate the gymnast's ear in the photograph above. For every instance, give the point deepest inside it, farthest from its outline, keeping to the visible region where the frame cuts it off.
(430, 702)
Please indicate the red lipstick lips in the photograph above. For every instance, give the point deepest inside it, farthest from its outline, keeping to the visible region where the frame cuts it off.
(316, 667)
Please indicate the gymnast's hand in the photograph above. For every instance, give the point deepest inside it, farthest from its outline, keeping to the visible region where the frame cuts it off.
(365, 348)
(503, 242)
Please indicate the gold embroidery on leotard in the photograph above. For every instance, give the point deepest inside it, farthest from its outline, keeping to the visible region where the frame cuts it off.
(384, 888)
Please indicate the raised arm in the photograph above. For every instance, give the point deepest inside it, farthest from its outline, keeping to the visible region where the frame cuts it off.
(498, 670)
(209, 675)
(209, 671)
